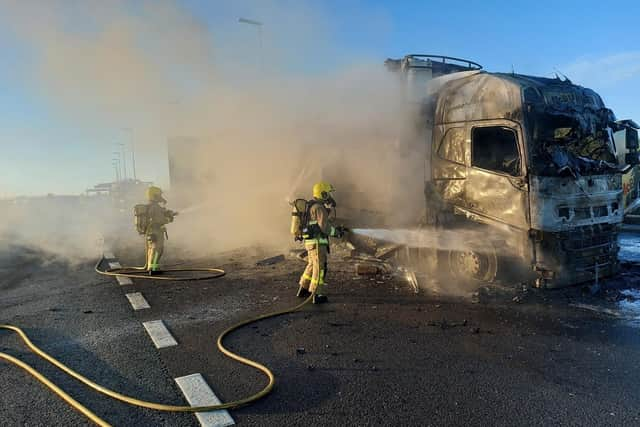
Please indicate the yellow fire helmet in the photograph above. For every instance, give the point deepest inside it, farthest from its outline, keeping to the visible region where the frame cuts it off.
(322, 190)
(154, 194)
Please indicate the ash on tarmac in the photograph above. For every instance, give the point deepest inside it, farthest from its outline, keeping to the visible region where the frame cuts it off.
(376, 355)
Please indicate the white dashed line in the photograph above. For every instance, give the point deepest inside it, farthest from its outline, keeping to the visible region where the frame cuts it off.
(198, 393)
(137, 300)
(121, 279)
(159, 334)
(194, 387)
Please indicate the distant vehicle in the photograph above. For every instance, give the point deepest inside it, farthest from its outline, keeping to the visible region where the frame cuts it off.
(122, 194)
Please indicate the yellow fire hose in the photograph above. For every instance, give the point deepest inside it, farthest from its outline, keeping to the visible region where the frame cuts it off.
(132, 272)
(137, 402)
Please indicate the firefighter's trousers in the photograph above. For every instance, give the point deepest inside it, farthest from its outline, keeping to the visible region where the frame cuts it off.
(313, 276)
(155, 248)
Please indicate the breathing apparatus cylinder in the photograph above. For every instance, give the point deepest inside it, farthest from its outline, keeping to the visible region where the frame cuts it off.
(295, 221)
(141, 218)
(299, 208)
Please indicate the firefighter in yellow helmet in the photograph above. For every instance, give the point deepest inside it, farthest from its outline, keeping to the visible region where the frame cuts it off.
(155, 231)
(316, 241)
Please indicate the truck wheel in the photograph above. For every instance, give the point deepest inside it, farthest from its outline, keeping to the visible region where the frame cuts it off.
(473, 264)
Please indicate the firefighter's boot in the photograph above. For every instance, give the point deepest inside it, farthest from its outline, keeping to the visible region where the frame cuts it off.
(303, 293)
(320, 299)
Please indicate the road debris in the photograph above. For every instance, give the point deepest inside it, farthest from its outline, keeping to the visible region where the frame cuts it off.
(270, 261)
(300, 254)
(386, 252)
(367, 269)
(337, 324)
(445, 324)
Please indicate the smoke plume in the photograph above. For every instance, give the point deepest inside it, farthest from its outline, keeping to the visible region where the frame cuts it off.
(265, 123)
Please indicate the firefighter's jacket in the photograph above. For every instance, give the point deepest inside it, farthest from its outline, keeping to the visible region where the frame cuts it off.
(319, 219)
(158, 218)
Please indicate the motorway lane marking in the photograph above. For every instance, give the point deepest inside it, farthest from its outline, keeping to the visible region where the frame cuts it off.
(121, 279)
(159, 334)
(137, 300)
(198, 393)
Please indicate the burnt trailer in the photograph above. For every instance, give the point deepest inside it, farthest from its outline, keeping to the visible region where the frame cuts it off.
(535, 164)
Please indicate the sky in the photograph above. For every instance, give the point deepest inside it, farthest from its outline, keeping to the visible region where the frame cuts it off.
(58, 136)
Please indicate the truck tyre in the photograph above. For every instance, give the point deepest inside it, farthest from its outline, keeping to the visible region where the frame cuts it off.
(471, 264)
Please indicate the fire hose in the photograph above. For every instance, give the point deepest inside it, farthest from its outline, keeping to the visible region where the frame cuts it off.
(132, 400)
(136, 273)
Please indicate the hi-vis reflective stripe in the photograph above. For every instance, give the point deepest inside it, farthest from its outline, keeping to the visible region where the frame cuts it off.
(319, 241)
(319, 280)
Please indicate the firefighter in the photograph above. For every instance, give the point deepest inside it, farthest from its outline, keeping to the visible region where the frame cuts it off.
(316, 241)
(155, 230)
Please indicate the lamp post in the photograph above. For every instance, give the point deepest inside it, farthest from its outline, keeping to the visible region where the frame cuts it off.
(259, 25)
(115, 168)
(118, 164)
(133, 151)
(124, 160)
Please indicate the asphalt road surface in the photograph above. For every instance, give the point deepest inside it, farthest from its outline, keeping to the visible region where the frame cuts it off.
(377, 354)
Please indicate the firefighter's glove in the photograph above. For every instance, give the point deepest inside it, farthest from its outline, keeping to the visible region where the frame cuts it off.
(172, 214)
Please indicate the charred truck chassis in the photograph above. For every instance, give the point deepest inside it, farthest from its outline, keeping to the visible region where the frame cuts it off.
(533, 162)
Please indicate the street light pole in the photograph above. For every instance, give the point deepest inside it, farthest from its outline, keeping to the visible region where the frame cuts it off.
(119, 164)
(116, 165)
(133, 151)
(124, 160)
(259, 25)
(116, 168)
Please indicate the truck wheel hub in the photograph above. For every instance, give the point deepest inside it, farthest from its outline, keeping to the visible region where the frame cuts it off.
(470, 263)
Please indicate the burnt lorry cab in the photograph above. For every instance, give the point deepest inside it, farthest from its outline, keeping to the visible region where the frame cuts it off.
(534, 162)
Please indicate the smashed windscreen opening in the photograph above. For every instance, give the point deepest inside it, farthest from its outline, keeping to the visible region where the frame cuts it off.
(573, 145)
